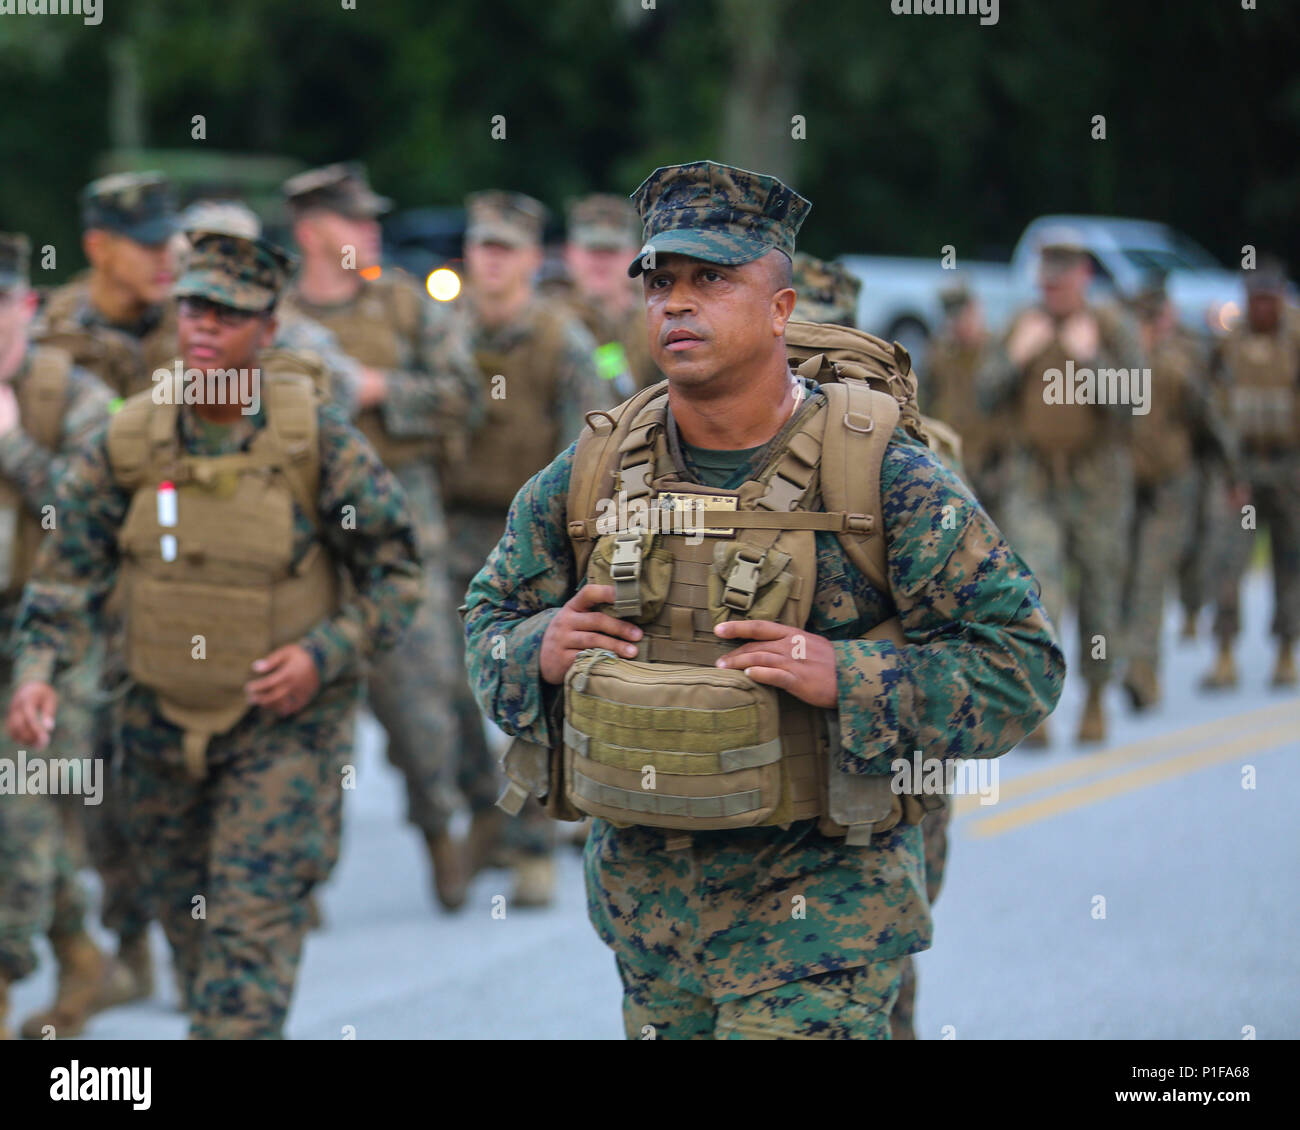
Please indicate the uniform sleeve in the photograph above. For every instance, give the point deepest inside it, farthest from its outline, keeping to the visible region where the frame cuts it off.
(36, 469)
(76, 567)
(512, 601)
(579, 387)
(982, 665)
(365, 524)
(442, 391)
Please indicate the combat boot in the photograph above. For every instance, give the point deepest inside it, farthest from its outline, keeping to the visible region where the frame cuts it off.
(130, 977)
(1038, 738)
(483, 844)
(1284, 672)
(83, 973)
(1142, 685)
(1092, 726)
(448, 863)
(1189, 626)
(5, 1034)
(534, 881)
(1224, 673)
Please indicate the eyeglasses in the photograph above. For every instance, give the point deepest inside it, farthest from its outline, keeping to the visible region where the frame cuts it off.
(193, 307)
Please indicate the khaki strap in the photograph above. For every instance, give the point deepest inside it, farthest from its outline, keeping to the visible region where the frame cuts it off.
(663, 804)
(194, 749)
(727, 760)
(834, 522)
(625, 571)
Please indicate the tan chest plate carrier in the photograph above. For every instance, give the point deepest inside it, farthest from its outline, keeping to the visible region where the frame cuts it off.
(1162, 437)
(1263, 373)
(378, 330)
(42, 401)
(234, 591)
(124, 363)
(669, 740)
(519, 435)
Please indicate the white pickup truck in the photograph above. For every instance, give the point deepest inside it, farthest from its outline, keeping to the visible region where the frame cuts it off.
(900, 296)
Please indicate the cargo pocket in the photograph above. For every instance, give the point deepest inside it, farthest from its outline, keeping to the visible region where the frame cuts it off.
(670, 745)
(748, 583)
(640, 570)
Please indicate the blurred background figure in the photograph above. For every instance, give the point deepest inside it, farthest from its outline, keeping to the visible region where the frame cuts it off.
(538, 368)
(1179, 432)
(1068, 500)
(1256, 375)
(603, 237)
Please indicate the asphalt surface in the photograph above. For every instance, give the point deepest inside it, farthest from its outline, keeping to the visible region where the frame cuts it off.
(1136, 891)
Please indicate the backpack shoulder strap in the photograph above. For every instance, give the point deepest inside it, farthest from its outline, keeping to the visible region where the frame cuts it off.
(43, 396)
(291, 419)
(860, 423)
(141, 439)
(597, 461)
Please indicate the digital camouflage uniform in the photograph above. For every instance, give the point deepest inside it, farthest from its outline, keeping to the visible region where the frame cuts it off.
(39, 889)
(1062, 512)
(704, 935)
(568, 386)
(433, 396)
(259, 828)
(827, 292)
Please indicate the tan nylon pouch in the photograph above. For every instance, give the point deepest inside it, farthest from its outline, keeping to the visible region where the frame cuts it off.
(1054, 431)
(640, 570)
(670, 745)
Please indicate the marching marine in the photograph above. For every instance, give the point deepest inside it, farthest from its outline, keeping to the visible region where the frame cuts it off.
(230, 523)
(726, 686)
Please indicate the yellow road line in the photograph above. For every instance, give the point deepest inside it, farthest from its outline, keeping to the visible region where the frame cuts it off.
(1262, 741)
(1089, 764)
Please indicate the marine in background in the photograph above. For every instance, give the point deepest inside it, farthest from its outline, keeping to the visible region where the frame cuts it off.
(418, 398)
(1256, 382)
(1067, 505)
(538, 370)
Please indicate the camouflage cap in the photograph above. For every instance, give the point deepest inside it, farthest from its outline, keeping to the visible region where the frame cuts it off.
(15, 250)
(827, 292)
(508, 218)
(603, 223)
(226, 217)
(342, 187)
(1060, 247)
(140, 206)
(248, 274)
(716, 213)
(955, 299)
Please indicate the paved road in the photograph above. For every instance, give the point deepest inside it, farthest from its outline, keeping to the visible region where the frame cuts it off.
(1198, 875)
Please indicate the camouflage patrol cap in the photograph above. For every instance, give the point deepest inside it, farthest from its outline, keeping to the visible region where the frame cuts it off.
(509, 218)
(341, 187)
(955, 299)
(15, 251)
(603, 223)
(226, 217)
(247, 274)
(827, 292)
(717, 213)
(140, 206)
(1061, 247)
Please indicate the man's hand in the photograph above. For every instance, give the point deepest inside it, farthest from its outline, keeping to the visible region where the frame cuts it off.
(792, 659)
(8, 408)
(290, 680)
(576, 628)
(1033, 333)
(373, 388)
(31, 714)
(1081, 336)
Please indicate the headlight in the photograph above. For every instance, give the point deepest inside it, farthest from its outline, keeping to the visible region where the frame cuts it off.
(1223, 317)
(443, 284)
